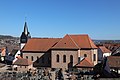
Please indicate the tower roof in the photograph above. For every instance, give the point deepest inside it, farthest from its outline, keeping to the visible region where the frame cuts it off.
(25, 34)
(25, 28)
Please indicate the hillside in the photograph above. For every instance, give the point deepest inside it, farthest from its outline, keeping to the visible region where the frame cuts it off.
(9, 41)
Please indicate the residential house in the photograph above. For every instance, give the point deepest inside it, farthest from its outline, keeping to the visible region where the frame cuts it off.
(3, 54)
(21, 64)
(114, 63)
(103, 52)
(116, 52)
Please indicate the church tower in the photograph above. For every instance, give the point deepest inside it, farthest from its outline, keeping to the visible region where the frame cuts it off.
(25, 36)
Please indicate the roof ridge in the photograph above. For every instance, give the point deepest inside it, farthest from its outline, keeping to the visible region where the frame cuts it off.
(44, 38)
(74, 42)
(89, 41)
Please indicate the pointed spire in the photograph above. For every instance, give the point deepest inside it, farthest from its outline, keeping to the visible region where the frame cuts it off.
(25, 29)
(25, 34)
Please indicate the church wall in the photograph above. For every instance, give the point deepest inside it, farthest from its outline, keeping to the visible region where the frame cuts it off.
(39, 59)
(61, 64)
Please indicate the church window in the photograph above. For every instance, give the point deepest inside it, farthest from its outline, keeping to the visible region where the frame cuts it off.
(94, 57)
(57, 58)
(26, 57)
(71, 58)
(64, 58)
(32, 58)
(85, 55)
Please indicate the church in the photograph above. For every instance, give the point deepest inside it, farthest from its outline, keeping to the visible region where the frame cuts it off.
(55, 53)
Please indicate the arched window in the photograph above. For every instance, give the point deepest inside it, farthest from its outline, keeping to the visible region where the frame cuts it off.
(94, 57)
(57, 58)
(32, 58)
(64, 58)
(71, 58)
(85, 55)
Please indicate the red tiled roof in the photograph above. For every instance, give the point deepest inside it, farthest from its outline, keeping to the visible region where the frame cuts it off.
(104, 49)
(114, 61)
(22, 62)
(3, 51)
(83, 41)
(66, 43)
(85, 63)
(75, 42)
(40, 44)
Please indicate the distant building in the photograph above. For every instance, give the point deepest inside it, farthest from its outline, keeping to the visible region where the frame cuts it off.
(103, 52)
(114, 63)
(116, 52)
(21, 64)
(3, 54)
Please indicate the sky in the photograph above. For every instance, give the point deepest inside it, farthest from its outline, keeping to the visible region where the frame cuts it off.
(100, 19)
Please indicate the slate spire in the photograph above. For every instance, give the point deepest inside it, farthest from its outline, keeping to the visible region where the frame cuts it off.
(25, 34)
(25, 28)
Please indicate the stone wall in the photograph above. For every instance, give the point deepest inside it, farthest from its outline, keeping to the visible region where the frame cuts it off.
(39, 59)
(61, 53)
(89, 53)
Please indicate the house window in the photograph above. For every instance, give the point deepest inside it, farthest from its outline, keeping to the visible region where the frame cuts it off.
(85, 55)
(26, 57)
(64, 58)
(57, 58)
(71, 58)
(32, 58)
(94, 57)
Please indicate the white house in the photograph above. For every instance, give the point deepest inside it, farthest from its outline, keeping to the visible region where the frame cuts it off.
(103, 52)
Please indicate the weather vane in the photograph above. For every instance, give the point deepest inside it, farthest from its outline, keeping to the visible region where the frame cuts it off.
(25, 19)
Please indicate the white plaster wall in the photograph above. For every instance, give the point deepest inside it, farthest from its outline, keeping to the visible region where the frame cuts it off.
(106, 54)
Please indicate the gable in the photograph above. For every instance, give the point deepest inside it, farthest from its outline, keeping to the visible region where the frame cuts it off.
(85, 63)
(66, 43)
